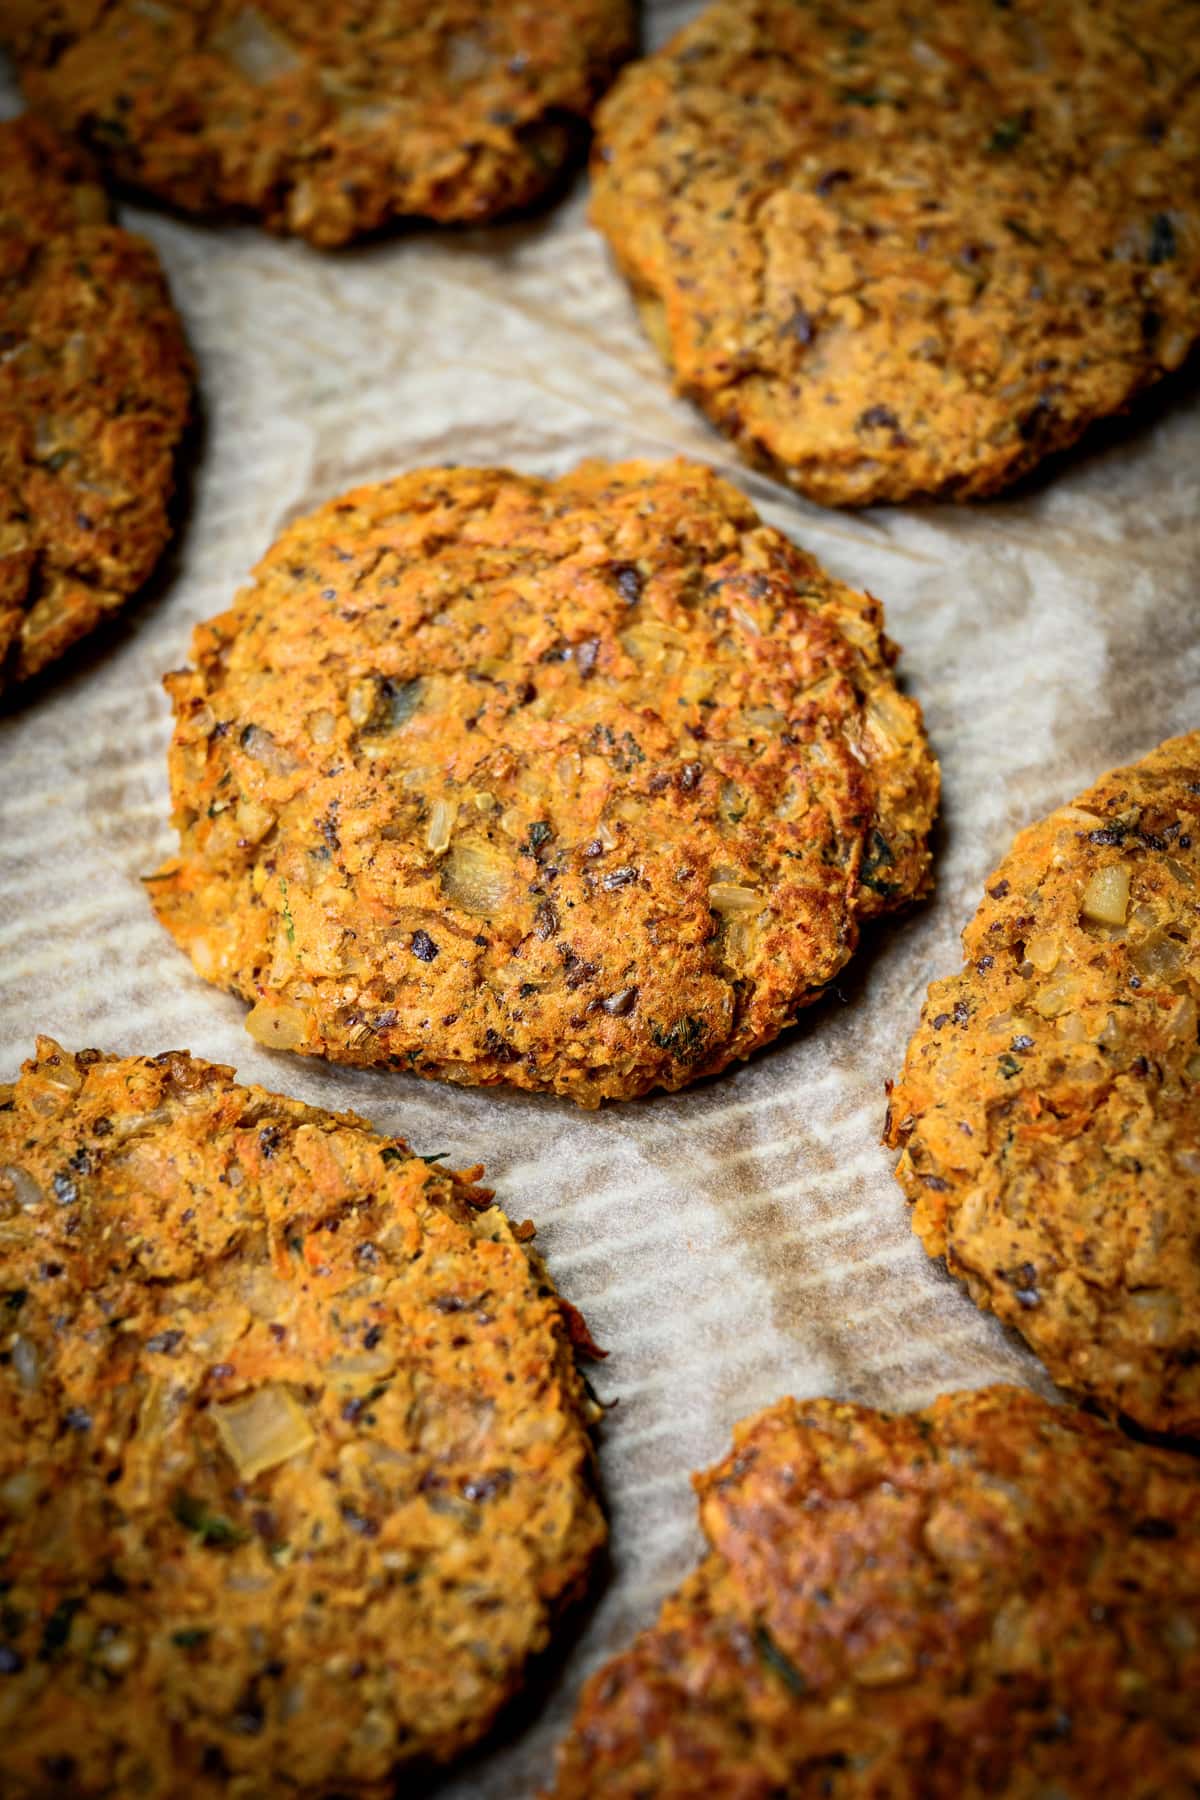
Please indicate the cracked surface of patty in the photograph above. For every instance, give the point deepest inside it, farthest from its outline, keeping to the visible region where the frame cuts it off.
(295, 1471)
(1048, 1113)
(95, 390)
(325, 120)
(993, 1596)
(904, 251)
(583, 785)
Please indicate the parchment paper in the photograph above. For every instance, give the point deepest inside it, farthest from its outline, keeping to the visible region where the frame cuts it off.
(731, 1243)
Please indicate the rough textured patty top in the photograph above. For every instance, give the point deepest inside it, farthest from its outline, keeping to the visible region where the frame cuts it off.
(294, 1463)
(583, 785)
(95, 386)
(325, 117)
(992, 1597)
(902, 250)
(1048, 1113)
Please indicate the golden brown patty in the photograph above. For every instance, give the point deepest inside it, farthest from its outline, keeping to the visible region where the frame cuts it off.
(294, 1466)
(95, 385)
(327, 120)
(583, 785)
(991, 1597)
(1049, 1108)
(904, 250)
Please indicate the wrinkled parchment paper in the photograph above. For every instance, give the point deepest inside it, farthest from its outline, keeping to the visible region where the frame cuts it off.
(731, 1243)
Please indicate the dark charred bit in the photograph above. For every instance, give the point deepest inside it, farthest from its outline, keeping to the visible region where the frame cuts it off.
(499, 1047)
(999, 891)
(629, 582)
(620, 1004)
(878, 418)
(618, 878)
(689, 777)
(424, 947)
(831, 179)
(801, 327)
(545, 920)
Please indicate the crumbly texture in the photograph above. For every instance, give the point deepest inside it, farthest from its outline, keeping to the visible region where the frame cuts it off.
(582, 785)
(897, 251)
(294, 1463)
(1048, 1114)
(95, 389)
(993, 1597)
(326, 119)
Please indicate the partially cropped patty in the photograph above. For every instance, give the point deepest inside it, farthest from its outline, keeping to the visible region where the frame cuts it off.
(326, 120)
(992, 1597)
(584, 785)
(1048, 1113)
(910, 250)
(95, 389)
(295, 1472)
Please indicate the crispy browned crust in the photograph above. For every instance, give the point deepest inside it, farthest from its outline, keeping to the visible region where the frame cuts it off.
(1048, 1113)
(326, 119)
(910, 250)
(993, 1597)
(582, 785)
(95, 387)
(192, 1605)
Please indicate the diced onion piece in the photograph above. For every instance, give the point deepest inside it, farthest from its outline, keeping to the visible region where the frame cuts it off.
(19, 1494)
(255, 48)
(1056, 996)
(1158, 958)
(885, 1664)
(264, 747)
(1181, 1020)
(357, 1374)
(1043, 951)
(1106, 896)
(731, 900)
(277, 1025)
(25, 1188)
(1156, 1314)
(441, 823)
(476, 877)
(25, 1362)
(265, 1428)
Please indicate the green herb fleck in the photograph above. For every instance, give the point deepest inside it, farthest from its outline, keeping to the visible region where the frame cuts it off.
(210, 1527)
(436, 1157)
(862, 97)
(539, 832)
(391, 1153)
(878, 855)
(775, 1660)
(1162, 239)
(1007, 135)
(288, 921)
(15, 1300)
(1009, 1066)
(57, 1629)
(191, 1636)
(685, 1039)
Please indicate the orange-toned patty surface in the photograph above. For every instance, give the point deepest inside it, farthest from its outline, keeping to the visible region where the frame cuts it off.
(1048, 1113)
(898, 250)
(993, 1597)
(326, 118)
(583, 785)
(95, 389)
(295, 1472)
